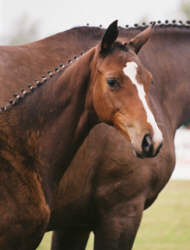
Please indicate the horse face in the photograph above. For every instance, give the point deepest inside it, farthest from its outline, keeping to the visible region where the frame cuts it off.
(120, 96)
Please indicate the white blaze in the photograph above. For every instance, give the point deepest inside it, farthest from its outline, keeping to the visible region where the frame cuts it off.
(131, 71)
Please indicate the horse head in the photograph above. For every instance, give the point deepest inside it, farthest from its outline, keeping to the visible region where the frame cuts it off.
(120, 90)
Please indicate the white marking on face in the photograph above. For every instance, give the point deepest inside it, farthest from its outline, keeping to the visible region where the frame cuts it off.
(131, 71)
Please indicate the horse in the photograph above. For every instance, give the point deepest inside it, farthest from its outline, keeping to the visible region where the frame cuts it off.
(106, 189)
(41, 129)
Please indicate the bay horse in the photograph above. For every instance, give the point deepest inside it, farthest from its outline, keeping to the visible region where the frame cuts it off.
(106, 189)
(41, 129)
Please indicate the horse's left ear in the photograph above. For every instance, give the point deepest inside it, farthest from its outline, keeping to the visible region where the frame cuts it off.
(109, 37)
(139, 40)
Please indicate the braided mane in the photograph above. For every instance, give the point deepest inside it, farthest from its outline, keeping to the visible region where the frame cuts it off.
(159, 25)
(36, 84)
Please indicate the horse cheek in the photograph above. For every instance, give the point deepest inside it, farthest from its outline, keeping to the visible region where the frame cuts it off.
(102, 105)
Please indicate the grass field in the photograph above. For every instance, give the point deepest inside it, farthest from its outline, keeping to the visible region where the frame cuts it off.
(165, 225)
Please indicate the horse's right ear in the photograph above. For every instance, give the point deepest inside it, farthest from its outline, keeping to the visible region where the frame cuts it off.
(140, 39)
(109, 37)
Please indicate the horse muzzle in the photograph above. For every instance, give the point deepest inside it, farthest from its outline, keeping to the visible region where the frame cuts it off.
(145, 141)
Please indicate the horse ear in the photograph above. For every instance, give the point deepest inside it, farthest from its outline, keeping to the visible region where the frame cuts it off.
(109, 37)
(140, 39)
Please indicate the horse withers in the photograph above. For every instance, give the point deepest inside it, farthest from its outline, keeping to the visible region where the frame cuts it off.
(42, 128)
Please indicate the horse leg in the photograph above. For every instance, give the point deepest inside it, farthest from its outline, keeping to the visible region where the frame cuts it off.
(117, 227)
(70, 239)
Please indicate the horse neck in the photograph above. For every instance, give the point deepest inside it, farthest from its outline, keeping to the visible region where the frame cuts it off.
(71, 42)
(54, 116)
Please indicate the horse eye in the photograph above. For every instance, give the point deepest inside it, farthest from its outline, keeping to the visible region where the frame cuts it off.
(113, 83)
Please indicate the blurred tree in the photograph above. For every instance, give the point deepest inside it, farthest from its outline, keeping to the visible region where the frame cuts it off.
(23, 31)
(185, 8)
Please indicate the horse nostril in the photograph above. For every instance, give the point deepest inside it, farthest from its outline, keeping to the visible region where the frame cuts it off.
(147, 144)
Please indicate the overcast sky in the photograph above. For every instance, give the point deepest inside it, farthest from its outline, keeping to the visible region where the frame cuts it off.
(58, 15)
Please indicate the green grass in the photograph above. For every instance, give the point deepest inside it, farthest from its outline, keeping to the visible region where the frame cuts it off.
(165, 225)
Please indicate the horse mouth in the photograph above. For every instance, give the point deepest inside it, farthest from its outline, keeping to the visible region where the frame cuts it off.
(142, 143)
